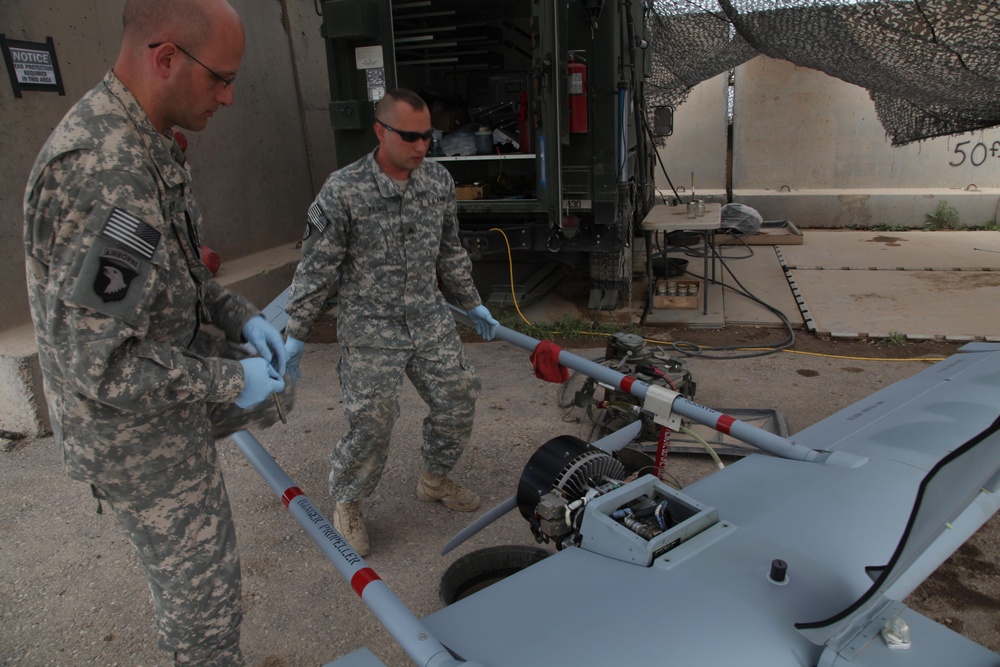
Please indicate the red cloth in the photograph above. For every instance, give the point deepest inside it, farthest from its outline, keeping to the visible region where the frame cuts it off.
(182, 141)
(211, 259)
(545, 359)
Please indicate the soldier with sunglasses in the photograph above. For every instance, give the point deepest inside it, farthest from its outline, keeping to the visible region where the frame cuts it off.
(138, 389)
(384, 230)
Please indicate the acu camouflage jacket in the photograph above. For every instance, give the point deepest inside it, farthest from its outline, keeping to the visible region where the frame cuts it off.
(118, 293)
(387, 249)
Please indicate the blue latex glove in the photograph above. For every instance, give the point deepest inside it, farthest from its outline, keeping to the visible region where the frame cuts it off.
(294, 348)
(266, 340)
(260, 380)
(483, 321)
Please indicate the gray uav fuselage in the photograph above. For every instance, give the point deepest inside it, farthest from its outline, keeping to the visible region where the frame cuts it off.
(710, 601)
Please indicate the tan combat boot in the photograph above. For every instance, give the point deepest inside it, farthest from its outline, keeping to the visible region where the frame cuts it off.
(435, 487)
(348, 522)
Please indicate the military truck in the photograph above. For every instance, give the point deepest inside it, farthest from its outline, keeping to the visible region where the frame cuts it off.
(540, 118)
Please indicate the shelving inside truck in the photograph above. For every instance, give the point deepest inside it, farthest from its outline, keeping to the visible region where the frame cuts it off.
(471, 62)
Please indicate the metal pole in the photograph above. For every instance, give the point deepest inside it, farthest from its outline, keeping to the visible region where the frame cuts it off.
(721, 422)
(405, 628)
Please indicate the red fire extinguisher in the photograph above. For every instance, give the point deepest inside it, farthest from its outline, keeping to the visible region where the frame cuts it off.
(578, 120)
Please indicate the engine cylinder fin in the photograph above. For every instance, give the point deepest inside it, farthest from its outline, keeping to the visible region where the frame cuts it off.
(590, 469)
(565, 465)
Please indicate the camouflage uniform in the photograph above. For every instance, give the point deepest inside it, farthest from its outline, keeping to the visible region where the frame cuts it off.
(388, 246)
(137, 389)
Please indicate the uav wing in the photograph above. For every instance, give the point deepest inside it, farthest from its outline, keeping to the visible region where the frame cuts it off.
(930, 477)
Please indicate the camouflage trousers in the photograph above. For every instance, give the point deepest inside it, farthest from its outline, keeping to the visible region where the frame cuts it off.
(370, 380)
(182, 527)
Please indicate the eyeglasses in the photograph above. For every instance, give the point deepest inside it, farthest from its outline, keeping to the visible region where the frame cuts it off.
(226, 82)
(407, 135)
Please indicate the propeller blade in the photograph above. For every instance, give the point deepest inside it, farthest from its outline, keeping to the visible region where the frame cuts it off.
(480, 523)
(614, 441)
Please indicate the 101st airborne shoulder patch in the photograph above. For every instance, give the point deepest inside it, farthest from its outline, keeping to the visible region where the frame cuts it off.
(119, 267)
(116, 272)
(112, 278)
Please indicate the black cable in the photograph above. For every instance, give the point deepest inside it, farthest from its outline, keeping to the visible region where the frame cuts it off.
(750, 251)
(663, 167)
(653, 471)
(694, 350)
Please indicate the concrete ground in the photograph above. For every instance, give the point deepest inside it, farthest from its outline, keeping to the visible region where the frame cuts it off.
(923, 285)
(71, 592)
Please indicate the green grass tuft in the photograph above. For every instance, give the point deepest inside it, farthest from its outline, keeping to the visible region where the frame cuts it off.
(894, 339)
(944, 217)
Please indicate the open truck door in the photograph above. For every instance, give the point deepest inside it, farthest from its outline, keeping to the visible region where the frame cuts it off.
(538, 107)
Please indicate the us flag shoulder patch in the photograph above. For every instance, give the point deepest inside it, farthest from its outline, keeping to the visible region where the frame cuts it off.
(317, 218)
(131, 232)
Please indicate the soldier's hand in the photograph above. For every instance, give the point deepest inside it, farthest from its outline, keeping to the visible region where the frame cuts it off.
(267, 341)
(483, 321)
(260, 380)
(294, 348)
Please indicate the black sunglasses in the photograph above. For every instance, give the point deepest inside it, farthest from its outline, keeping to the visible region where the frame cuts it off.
(407, 135)
(226, 82)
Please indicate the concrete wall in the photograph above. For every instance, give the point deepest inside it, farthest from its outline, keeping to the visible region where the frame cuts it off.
(809, 148)
(308, 51)
(698, 143)
(256, 167)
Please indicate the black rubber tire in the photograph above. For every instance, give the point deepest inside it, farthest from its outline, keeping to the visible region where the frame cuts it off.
(478, 569)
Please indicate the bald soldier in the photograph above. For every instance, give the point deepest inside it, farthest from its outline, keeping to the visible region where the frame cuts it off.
(137, 389)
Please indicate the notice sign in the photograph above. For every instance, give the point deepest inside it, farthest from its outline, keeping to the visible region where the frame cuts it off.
(31, 65)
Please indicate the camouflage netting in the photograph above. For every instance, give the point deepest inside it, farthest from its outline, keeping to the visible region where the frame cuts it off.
(932, 67)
